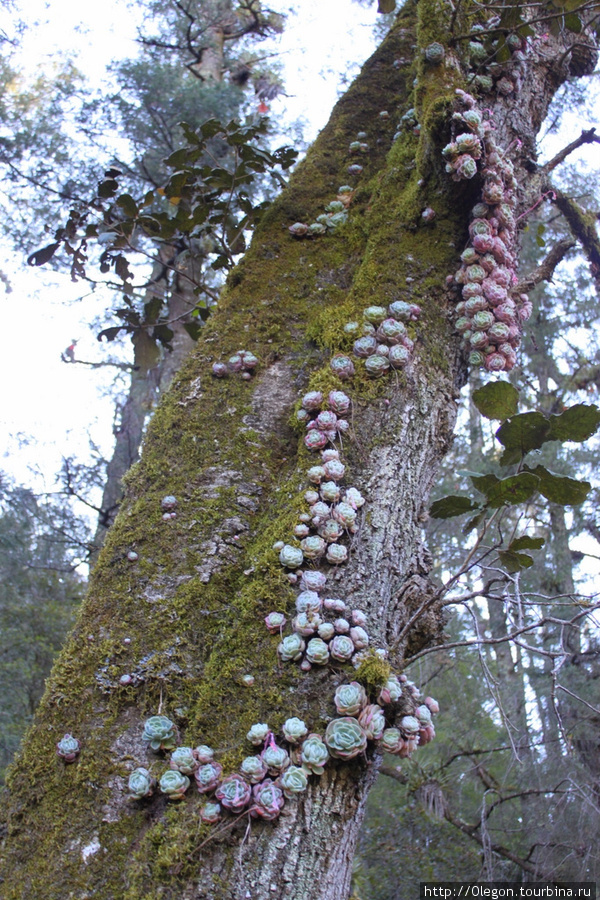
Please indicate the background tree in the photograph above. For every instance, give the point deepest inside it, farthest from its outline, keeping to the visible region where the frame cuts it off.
(173, 622)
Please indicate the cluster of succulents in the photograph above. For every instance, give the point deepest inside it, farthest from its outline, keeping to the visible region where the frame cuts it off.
(68, 748)
(408, 122)
(490, 313)
(382, 338)
(489, 74)
(434, 54)
(398, 721)
(243, 362)
(168, 505)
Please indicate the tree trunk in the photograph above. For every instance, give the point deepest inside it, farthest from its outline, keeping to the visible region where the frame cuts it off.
(184, 621)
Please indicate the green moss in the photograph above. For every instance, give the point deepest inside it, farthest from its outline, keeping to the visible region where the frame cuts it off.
(373, 672)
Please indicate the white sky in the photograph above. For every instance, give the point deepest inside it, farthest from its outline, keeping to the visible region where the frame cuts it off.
(54, 405)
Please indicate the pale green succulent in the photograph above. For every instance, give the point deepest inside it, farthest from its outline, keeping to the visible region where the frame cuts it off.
(391, 740)
(293, 782)
(68, 748)
(159, 733)
(294, 729)
(253, 768)
(372, 721)
(317, 652)
(208, 777)
(350, 698)
(341, 648)
(291, 557)
(141, 784)
(314, 755)
(210, 813)
(258, 733)
(345, 738)
(391, 691)
(184, 760)
(291, 648)
(204, 754)
(174, 784)
(276, 759)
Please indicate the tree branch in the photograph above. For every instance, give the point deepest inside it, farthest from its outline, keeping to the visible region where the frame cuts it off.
(545, 270)
(583, 227)
(586, 137)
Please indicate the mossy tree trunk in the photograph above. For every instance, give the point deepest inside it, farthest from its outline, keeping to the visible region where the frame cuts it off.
(185, 620)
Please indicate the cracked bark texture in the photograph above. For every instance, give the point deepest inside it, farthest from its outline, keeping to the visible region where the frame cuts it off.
(184, 620)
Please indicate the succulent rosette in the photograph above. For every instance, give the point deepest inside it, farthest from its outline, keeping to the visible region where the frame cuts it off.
(174, 784)
(253, 768)
(204, 754)
(159, 733)
(258, 733)
(234, 793)
(291, 648)
(267, 799)
(409, 726)
(359, 637)
(372, 721)
(390, 692)
(314, 754)
(345, 738)
(341, 648)
(350, 698)
(276, 759)
(208, 777)
(306, 623)
(275, 621)
(68, 748)
(141, 784)
(308, 602)
(423, 714)
(291, 557)
(210, 813)
(294, 730)
(317, 652)
(184, 760)
(293, 782)
(392, 740)
(432, 705)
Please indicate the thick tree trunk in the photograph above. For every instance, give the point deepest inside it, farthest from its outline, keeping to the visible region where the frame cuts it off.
(184, 621)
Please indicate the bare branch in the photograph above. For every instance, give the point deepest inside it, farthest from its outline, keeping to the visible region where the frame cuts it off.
(545, 270)
(586, 137)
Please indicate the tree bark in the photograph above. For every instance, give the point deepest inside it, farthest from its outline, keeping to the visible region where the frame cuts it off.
(185, 619)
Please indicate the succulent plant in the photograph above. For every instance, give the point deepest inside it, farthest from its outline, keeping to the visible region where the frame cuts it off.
(391, 740)
(432, 705)
(350, 698)
(330, 492)
(294, 730)
(391, 331)
(342, 626)
(275, 758)
(258, 733)
(372, 721)
(306, 623)
(359, 637)
(409, 726)
(253, 768)
(159, 733)
(298, 229)
(365, 346)
(248, 680)
(314, 755)
(291, 648)
(174, 784)
(336, 554)
(434, 54)
(315, 439)
(317, 228)
(341, 648)
(210, 813)
(291, 557)
(308, 602)
(293, 782)
(141, 784)
(355, 169)
(317, 652)
(313, 581)
(331, 531)
(267, 800)
(377, 365)
(326, 631)
(313, 547)
(275, 621)
(339, 402)
(399, 356)
(68, 748)
(316, 474)
(345, 738)
(208, 777)
(464, 167)
(390, 692)
(183, 760)
(312, 400)
(345, 514)
(334, 470)
(220, 370)
(234, 793)
(204, 754)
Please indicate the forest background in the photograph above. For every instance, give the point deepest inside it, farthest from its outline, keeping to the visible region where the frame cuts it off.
(526, 756)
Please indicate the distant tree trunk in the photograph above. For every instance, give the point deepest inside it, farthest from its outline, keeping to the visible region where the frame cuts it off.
(184, 621)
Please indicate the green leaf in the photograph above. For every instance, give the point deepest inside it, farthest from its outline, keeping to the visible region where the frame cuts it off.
(209, 129)
(577, 423)
(496, 400)
(40, 257)
(526, 542)
(451, 506)
(524, 432)
(107, 188)
(177, 159)
(560, 489)
(515, 489)
(152, 309)
(386, 6)
(484, 483)
(163, 333)
(514, 562)
(193, 329)
(473, 522)
(128, 205)
(110, 333)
